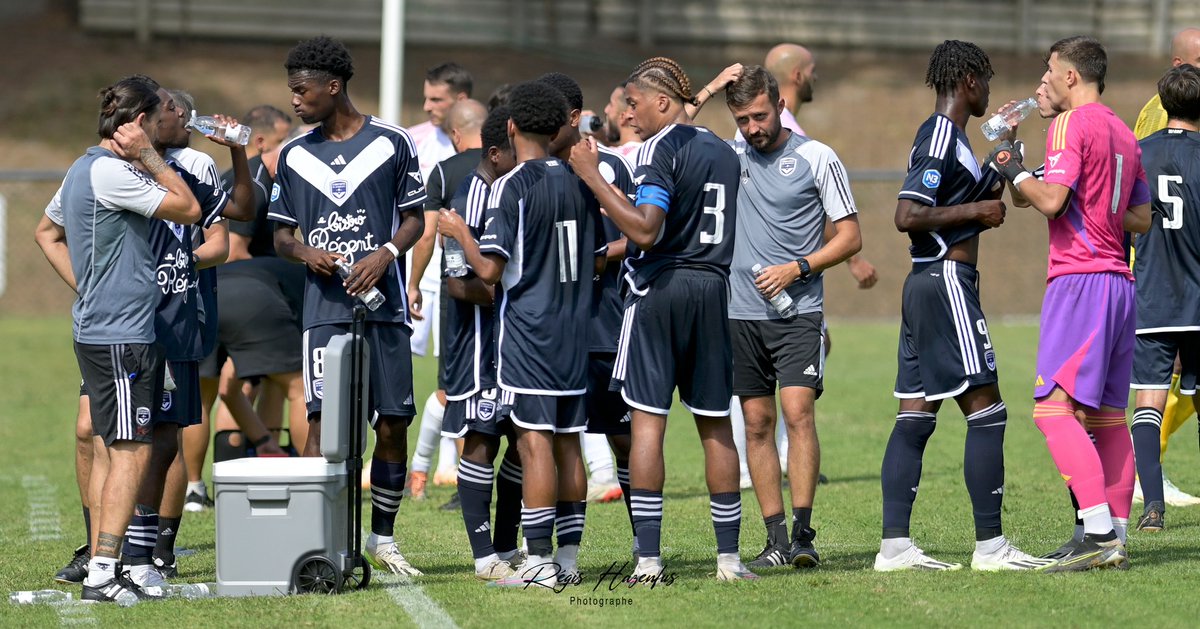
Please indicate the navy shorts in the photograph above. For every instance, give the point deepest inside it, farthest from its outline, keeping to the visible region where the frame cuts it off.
(124, 384)
(479, 413)
(391, 367)
(181, 406)
(554, 413)
(944, 348)
(607, 412)
(1154, 360)
(676, 334)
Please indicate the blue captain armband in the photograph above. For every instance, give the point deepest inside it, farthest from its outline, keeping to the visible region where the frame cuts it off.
(653, 195)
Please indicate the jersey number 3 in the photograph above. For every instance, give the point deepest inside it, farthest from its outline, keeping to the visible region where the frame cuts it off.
(717, 209)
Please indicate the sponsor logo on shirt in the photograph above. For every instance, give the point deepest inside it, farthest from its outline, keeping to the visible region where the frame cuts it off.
(1053, 159)
(787, 166)
(931, 178)
(173, 274)
(339, 233)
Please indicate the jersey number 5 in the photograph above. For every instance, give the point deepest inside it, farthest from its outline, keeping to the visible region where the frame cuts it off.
(1171, 203)
(717, 209)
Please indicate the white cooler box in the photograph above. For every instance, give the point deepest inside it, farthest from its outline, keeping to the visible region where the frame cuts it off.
(281, 526)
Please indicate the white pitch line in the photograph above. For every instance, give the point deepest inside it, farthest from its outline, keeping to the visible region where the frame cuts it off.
(424, 611)
(44, 522)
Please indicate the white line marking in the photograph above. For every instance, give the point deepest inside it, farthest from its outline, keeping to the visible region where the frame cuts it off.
(424, 611)
(44, 523)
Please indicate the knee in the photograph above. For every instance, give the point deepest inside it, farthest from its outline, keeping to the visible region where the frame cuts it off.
(760, 428)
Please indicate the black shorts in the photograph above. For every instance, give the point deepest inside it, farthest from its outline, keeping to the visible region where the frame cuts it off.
(945, 348)
(257, 327)
(676, 334)
(1154, 360)
(210, 366)
(443, 304)
(124, 385)
(479, 413)
(181, 406)
(554, 413)
(607, 412)
(391, 367)
(777, 352)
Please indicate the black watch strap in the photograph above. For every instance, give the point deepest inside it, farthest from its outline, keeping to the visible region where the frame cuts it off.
(805, 269)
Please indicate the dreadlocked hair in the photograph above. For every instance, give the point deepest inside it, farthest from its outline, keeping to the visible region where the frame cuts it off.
(665, 75)
(952, 62)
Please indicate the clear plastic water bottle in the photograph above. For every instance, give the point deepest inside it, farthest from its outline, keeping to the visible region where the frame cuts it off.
(39, 597)
(782, 302)
(372, 298)
(127, 599)
(1008, 117)
(209, 125)
(190, 591)
(456, 259)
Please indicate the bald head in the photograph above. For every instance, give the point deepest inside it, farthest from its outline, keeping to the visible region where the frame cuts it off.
(463, 123)
(794, 67)
(1185, 48)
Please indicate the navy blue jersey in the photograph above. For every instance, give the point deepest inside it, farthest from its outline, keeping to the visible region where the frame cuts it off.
(176, 317)
(606, 323)
(469, 343)
(347, 198)
(1166, 261)
(257, 229)
(942, 171)
(546, 224)
(699, 173)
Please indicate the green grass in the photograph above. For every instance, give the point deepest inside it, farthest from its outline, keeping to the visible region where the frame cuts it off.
(854, 416)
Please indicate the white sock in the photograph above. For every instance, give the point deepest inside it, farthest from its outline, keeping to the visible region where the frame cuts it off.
(990, 546)
(1078, 535)
(100, 569)
(738, 420)
(483, 562)
(427, 438)
(379, 540)
(728, 559)
(532, 561)
(892, 547)
(650, 564)
(448, 456)
(781, 443)
(1097, 520)
(198, 487)
(1121, 527)
(567, 557)
(599, 457)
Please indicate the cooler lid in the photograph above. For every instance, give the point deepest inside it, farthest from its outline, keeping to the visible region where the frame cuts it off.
(276, 470)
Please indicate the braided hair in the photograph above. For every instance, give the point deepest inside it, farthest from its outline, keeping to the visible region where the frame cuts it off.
(664, 75)
(952, 62)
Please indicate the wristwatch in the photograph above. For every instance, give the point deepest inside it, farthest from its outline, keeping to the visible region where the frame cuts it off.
(805, 269)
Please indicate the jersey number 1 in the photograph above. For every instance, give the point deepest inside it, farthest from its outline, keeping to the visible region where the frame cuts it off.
(566, 233)
(717, 209)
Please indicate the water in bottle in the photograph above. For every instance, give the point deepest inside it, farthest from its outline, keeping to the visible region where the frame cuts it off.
(456, 259)
(209, 125)
(372, 298)
(189, 591)
(39, 597)
(782, 302)
(1008, 117)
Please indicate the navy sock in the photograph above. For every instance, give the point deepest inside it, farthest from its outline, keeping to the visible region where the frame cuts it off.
(164, 548)
(1147, 429)
(726, 511)
(623, 481)
(475, 492)
(983, 468)
(387, 489)
(901, 473)
(508, 507)
(140, 537)
(568, 522)
(647, 521)
(539, 529)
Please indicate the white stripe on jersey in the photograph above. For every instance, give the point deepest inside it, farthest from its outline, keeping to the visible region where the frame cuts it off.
(619, 156)
(962, 318)
(412, 147)
(646, 153)
(498, 186)
(941, 252)
(477, 198)
(940, 142)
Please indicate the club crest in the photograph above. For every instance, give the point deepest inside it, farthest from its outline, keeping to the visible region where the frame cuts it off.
(338, 188)
(787, 166)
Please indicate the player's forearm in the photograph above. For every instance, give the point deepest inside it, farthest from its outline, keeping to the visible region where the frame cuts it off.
(471, 290)
(488, 267)
(422, 251)
(51, 239)
(1138, 218)
(287, 246)
(241, 207)
(1047, 198)
(616, 250)
(215, 249)
(239, 247)
(913, 216)
(179, 205)
(846, 242)
(412, 227)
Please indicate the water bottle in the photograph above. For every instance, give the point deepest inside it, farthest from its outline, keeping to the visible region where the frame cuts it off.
(372, 298)
(782, 302)
(456, 259)
(190, 591)
(127, 599)
(39, 597)
(208, 125)
(1008, 117)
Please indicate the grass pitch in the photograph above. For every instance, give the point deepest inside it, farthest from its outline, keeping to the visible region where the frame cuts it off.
(854, 418)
